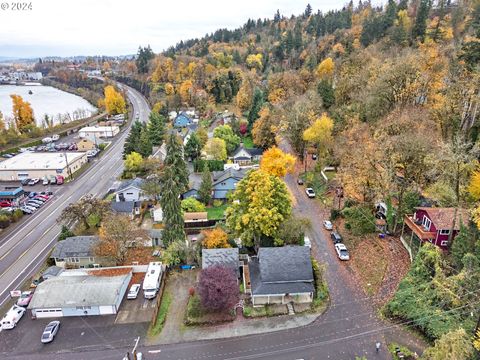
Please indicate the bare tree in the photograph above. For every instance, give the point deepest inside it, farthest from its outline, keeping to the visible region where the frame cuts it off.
(83, 209)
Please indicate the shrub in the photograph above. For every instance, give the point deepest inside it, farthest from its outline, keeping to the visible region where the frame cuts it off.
(359, 220)
(191, 204)
(217, 203)
(217, 288)
(335, 214)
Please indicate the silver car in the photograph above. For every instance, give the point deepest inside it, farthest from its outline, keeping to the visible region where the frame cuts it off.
(50, 331)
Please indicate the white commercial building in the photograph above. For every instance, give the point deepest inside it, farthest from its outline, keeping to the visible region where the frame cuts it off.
(93, 132)
(37, 165)
(73, 293)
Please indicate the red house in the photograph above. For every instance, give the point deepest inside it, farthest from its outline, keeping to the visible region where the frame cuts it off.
(434, 224)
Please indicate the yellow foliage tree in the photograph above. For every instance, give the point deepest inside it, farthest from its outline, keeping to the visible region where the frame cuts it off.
(133, 161)
(474, 190)
(476, 342)
(185, 90)
(114, 101)
(216, 149)
(22, 113)
(276, 162)
(159, 105)
(255, 61)
(215, 239)
(320, 132)
(325, 69)
(169, 89)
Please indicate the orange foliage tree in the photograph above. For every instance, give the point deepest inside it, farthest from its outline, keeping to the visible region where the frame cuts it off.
(215, 239)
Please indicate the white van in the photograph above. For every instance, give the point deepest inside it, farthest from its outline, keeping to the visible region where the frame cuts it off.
(55, 137)
(307, 242)
(12, 317)
(47, 140)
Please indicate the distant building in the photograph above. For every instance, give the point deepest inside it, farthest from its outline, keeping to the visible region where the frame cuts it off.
(37, 165)
(156, 237)
(157, 214)
(92, 132)
(127, 208)
(225, 182)
(194, 182)
(244, 156)
(182, 120)
(85, 145)
(15, 196)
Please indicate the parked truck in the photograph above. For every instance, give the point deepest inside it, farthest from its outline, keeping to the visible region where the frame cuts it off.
(153, 277)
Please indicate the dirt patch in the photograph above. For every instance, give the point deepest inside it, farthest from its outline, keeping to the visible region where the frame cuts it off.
(141, 255)
(110, 272)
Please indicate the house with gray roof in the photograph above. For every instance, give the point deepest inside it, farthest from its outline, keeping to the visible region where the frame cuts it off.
(79, 295)
(244, 156)
(127, 208)
(52, 271)
(226, 181)
(221, 257)
(130, 190)
(280, 275)
(77, 252)
(194, 182)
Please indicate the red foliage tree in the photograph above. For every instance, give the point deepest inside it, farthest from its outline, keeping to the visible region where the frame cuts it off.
(243, 128)
(218, 288)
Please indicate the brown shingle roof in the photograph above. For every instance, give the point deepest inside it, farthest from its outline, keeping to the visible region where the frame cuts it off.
(443, 217)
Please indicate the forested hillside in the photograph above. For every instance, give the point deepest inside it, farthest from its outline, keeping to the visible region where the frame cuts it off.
(389, 95)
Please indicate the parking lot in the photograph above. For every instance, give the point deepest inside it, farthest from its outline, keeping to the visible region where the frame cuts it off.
(81, 333)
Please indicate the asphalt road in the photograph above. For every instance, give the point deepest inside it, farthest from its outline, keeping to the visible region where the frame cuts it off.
(24, 248)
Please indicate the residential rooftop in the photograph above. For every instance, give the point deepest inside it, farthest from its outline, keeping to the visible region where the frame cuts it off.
(75, 246)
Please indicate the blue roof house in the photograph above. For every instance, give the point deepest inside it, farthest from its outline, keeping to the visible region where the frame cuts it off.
(182, 120)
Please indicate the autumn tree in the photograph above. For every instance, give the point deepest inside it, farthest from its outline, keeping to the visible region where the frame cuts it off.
(22, 114)
(133, 162)
(226, 133)
(218, 288)
(205, 191)
(114, 101)
(215, 239)
(320, 133)
(216, 149)
(264, 129)
(325, 69)
(117, 234)
(254, 61)
(261, 202)
(83, 209)
(276, 162)
(454, 345)
(152, 186)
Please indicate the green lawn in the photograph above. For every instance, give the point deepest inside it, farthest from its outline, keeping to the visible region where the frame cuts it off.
(162, 314)
(248, 142)
(215, 213)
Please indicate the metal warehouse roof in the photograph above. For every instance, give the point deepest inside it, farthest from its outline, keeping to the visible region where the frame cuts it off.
(39, 161)
(78, 290)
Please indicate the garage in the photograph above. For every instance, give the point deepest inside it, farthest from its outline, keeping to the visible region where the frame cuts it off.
(46, 313)
(81, 292)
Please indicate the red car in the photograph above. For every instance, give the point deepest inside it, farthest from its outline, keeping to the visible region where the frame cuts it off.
(25, 298)
(5, 204)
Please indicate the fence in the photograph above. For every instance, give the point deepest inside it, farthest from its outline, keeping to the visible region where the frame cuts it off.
(159, 298)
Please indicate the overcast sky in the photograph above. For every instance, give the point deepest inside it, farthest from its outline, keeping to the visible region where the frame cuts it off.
(118, 27)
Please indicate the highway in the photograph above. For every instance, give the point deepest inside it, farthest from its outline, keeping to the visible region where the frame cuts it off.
(23, 250)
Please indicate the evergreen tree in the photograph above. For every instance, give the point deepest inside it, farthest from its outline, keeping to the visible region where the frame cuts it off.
(144, 55)
(257, 103)
(145, 144)
(174, 159)
(171, 207)
(289, 42)
(156, 128)
(308, 11)
(133, 138)
(205, 191)
(390, 14)
(325, 90)
(193, 147)
(277, 17)
(420, 26)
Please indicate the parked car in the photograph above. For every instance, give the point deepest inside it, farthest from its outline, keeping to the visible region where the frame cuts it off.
(35, 282)
(342, 251)
(34, 181)
(26, 210)
(7, 209)
(25, 298)
(32, 194)
(307, 242)
(40, 198)
(12, 317)
(35, 201)
(52, 179)
(310, 193)
(133, 292)
(45, 181)
(47, 140)
(60, 179)
(8, 156)
(25, 181)
(5, 204)
(50, 331)
(300, 181)
(55, 137)
(336, 238)
(32, 209)
(33, 205)
(327, 224)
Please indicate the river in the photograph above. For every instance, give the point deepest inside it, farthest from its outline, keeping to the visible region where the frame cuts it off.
(46, 100)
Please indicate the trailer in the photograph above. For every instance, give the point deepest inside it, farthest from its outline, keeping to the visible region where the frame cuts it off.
(152, 280)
